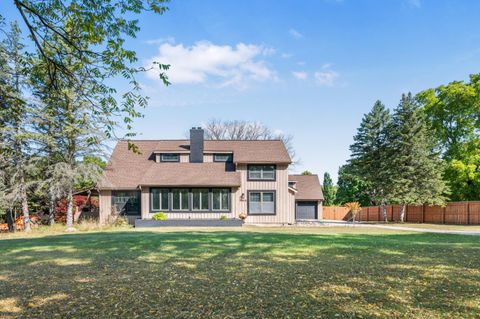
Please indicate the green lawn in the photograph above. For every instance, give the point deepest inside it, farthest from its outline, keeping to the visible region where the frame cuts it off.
(249, 272)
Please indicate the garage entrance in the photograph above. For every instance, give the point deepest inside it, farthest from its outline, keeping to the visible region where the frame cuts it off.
(306, 210)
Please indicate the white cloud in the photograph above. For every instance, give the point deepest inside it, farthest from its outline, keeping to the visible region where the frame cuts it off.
(225, 65)
(326, 78)
(161, 40)
(294, 33)
(300, 75)
(414, 3)
(286, 55)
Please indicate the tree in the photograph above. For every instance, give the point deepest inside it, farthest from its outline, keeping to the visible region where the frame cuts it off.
(243, 130)
(351, 188)
(416, 166)
(453, 112)
(98, 47)
(306, 172)
(15, 119)
(329, 190)
(369, 158)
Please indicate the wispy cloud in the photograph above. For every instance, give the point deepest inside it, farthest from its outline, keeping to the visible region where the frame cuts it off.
(414, 3)
(300, 75)
(222, 65)
(295, 34)
(170, 40)
(326, 78)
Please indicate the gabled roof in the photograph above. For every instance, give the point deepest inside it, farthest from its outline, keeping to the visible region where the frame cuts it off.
(308, 187)
(128, 170)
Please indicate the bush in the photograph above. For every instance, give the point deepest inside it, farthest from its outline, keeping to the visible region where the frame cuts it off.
(223, 217)
(121, 221)
(159, 216)
(242, 216)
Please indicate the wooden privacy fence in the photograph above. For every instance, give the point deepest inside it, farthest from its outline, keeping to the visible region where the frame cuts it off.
(462, 213)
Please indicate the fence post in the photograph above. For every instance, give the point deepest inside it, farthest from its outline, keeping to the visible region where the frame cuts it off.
(468, 213)
(423, 213)
(443, 214)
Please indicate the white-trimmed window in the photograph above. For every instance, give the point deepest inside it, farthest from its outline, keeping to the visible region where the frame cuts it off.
(180, 199)
(200, 199)
(223, 157)
(169, 157)
(220, 199)
(160, 199)
(261, 172)
(261, 202)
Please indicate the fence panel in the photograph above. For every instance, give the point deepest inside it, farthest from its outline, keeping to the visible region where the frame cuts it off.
(453, 213)
(474, 212)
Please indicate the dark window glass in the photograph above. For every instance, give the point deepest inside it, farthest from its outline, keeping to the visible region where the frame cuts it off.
(159, 199)
(220, 199)
(261, 203)
(169, 157)
(200, 199)
(180, 199)
(126, 202)
(223, 157)
(261, 172)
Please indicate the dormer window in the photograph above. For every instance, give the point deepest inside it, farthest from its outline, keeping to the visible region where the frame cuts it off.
(169, 157)
(223, 158)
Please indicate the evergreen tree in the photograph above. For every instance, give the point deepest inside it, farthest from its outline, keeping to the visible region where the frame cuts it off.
(15, 119)
(329, 190)
(369, 158)
(415, 164)
(351, 188)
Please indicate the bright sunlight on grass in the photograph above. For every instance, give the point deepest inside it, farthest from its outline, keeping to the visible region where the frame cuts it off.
(252, 272)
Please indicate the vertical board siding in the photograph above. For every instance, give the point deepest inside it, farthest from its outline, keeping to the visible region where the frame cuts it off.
(184, 158)
(461, 213)
(208, 158)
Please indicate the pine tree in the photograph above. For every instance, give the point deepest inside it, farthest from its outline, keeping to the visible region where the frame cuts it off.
(329, 190)
(351, 188)
(415, 163)
(15, 119)
(369, 158)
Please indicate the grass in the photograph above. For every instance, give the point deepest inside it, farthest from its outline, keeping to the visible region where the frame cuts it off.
(436, 226)
(248, 272)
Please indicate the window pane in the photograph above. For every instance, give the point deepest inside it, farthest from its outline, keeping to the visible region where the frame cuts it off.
(255, 197)
(268, 175)
(164, 198)
(205, 199)
(176, 199)
(184, 196)
(224, 199)
(268, 197)
(255, 208)
(155, 199)
(196, 199)
(169, 157)
(215, 199)
(268, 207)
(126, 202)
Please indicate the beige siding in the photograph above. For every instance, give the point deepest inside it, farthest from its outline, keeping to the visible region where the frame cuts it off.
(208, 158)
(105, 205)
(285, 201)
(184, 158)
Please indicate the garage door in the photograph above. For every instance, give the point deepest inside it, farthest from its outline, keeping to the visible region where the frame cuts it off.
(306, 210)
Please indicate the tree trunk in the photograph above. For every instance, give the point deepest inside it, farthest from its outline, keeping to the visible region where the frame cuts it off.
(384, 211)
(70, 209)
(24, 202)
(51, 210)
(402, 213)
(10, 221)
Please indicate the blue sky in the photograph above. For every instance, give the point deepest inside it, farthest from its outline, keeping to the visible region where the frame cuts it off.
(306, 68)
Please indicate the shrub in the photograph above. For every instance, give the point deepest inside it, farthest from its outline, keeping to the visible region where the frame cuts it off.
(242, 216)
(223, 217)
(159, 216)
(121, 221)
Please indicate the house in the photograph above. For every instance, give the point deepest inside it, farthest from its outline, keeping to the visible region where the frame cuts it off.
(206, 179)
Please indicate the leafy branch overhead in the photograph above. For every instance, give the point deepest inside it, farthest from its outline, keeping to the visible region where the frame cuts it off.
(94, 35)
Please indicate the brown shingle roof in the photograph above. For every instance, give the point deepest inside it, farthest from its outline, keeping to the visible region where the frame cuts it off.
(128, 170)
(307, 186)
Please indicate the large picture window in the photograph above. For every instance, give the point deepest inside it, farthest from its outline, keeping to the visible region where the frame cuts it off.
(261, 203)
(180, 199)
(220, 199)
(160, 199)
(200, 199)
(126, 202)
(261, 172)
